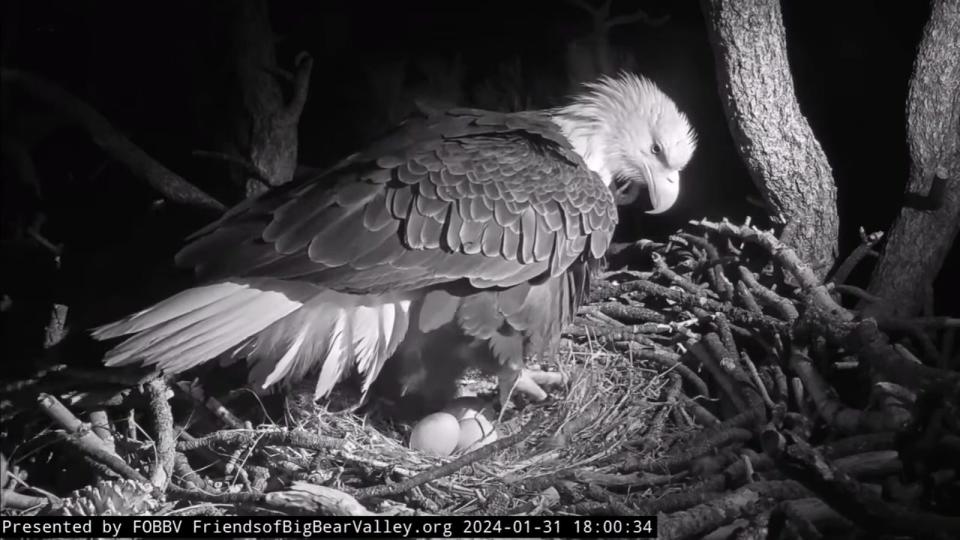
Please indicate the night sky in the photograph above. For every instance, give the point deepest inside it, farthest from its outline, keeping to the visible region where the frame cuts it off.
(159, 71)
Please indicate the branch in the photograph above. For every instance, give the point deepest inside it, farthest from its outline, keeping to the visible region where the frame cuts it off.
(867, 241)
(85, 441)
(748, 500)
(162, 470)
(169, 184)
(297, 438)
(920, 238)
(833, 320)
(852, 499)
(779, 148)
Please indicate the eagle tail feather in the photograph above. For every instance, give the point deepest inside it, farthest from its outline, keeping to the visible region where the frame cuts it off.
(283, 328)
(201, 323)
(341, 331)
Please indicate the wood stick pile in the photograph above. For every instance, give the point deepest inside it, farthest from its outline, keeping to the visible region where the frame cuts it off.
(717, 382)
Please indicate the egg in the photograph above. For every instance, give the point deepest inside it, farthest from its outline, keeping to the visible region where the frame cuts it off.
(469, 407)
(475, 432)
(436, 434)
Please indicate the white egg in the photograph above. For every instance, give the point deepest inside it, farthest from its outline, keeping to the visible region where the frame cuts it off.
(475, 432)
(437, 434)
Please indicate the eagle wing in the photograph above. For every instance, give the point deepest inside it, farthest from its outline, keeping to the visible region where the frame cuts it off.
(327, 269)
(492, 198)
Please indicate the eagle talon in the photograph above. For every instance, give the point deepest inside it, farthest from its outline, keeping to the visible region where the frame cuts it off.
(547, 378)
(528, 382)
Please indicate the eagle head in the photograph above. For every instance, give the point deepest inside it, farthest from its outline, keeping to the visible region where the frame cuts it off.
(632, 135)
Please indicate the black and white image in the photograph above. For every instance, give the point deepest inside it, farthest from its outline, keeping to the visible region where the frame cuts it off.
(515, 262)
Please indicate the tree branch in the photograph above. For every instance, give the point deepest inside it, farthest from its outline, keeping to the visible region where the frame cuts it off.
(920, 238)
(775, 141)
(168, 183)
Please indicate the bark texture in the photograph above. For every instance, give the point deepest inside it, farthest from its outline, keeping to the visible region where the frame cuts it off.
(784, 158)
(266, 131)
(927, 225)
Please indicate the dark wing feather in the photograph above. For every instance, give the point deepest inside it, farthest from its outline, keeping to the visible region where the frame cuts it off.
(494, 198)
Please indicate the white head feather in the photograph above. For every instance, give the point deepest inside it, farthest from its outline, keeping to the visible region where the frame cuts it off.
(627, 129)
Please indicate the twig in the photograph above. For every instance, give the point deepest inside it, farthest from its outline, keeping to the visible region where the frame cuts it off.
(182, 468)
(675, 278)
(752, 368)
(867, 241)
(162, 470)
(715, 269)
(690, 452)
(841, 417)
(748, 500)
(699, 412)
(719, 374)
(835, 322)
(18, 501)
(688, 300)
(863, 506)
(625, 313)
(856, 292)
(99, 454)
(313, 499)
(858, 444)
(746, 297)
(670, 394)
(907, 326)
(70, 423)
(101, 427)
(451, 467)
(297, 438)
(781, 305)
(241, 497)
(672, 361)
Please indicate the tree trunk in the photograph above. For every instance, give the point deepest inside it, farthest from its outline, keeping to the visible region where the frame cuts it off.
(927, 225)
(784, 158)
(266, 127)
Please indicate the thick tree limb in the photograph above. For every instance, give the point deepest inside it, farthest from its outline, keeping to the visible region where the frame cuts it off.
(747, 500)
(117, 146)
(266, 126)
(920, 238)
(775, 141)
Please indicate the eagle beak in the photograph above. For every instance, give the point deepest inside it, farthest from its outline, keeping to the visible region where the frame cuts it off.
(663, 192)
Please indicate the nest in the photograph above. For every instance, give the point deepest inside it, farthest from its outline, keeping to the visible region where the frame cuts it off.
(608, 402)
(719, 383)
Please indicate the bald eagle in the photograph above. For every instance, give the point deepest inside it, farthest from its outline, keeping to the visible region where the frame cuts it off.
(467, 225)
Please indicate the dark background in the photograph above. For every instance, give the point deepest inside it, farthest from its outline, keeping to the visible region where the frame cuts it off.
(161, 73)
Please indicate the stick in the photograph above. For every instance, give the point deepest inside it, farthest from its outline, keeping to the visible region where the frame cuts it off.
(298, 438)
(451, 467)
(162, 470)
